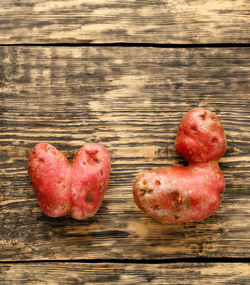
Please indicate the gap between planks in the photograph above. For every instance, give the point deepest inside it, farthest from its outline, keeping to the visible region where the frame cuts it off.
(128, 44)
(138, 261)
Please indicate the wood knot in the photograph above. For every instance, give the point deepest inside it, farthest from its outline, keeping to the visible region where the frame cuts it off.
(94, 139)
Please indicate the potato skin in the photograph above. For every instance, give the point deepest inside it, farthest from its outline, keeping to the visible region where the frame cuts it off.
(62, 187)
(89, 180)
(49, 171)
(180, 194)
(187, 194)
(200, 137)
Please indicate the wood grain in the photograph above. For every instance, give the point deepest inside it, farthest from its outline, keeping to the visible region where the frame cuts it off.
(128, 273)
(110, 21)
(131, 100)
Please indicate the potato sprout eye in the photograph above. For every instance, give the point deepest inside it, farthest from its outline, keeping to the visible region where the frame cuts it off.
(214, 140)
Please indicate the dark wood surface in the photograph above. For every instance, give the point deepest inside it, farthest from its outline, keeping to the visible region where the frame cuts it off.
(131, 99)
(134, 21)
(129, 273)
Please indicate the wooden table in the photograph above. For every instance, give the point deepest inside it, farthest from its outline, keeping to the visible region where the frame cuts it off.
(123, 73)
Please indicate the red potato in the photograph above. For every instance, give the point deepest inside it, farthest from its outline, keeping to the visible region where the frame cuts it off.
(192, 193)
(200, 136)
(62, 187)
(180, 194)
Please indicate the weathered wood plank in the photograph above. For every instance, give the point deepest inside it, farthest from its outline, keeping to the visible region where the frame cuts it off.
(128, 273)
(132, 100)
(109, 21)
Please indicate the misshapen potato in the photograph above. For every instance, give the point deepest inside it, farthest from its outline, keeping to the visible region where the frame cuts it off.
(192, 193)
(62, 187)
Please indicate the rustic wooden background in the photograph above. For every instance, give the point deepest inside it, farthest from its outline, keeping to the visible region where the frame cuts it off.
(122, 74)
